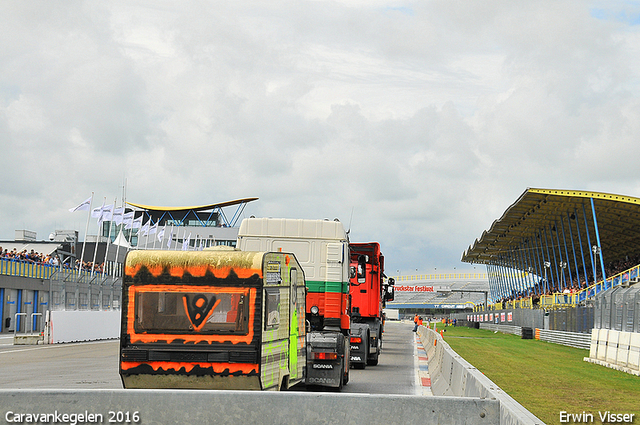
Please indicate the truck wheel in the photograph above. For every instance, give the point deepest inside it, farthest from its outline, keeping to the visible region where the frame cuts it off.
(345, 378)
(366, 351)
(373, 360)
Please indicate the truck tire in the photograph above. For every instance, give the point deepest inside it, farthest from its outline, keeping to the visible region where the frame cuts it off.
(373, 360)
(345, 377)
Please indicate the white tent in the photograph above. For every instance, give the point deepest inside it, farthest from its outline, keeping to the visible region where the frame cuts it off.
(121, 240)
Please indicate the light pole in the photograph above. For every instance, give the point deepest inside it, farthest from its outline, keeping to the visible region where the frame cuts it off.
(596, 251)
(563, 265)
(546, 282)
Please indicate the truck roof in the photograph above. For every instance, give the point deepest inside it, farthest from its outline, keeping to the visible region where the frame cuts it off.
(293, 228)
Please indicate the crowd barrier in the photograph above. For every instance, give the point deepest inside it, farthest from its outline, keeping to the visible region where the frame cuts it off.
(451, 375)
(615, 349)
(238, 407)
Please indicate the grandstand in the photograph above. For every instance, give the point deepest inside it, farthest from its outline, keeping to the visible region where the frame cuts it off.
(565, 263)
(560, 247)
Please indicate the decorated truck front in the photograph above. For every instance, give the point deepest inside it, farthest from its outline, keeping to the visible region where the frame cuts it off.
(212, 320)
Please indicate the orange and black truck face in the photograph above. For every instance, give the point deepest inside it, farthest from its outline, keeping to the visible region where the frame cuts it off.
(202, 319)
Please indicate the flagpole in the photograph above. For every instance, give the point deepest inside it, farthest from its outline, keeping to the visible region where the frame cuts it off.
(86, 230)
(170, 238)
(95, 251)
(115, 266)
(156, 237)
(106, 252)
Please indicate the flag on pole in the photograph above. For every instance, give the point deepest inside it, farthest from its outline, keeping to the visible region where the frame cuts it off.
(144, 230)
(169, 240)
(153, 229)
(185, 243)
(97, 211)
(135, 224)
(117, 215)
(106, 213)
(83, 206)
(160, 234)
(127, 219)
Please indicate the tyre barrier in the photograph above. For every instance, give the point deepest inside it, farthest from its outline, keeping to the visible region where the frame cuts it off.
(238, 407)
(451, 375)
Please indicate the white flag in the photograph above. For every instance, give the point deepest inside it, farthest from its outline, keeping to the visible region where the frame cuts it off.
(83, 206)
(107, 213)
(97, 211)
(153, 229)
(201, 244)
(135, 224)
(185, 243)
(145, 228)
(160, 234)
(169, 240)
(117, 215)
(127, 219)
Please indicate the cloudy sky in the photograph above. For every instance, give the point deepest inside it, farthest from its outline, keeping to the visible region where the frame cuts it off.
(417, 122)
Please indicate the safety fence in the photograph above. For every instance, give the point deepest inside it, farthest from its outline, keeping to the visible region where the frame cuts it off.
(451, 375)
(28, 269)
(100, 294)
(618, 309)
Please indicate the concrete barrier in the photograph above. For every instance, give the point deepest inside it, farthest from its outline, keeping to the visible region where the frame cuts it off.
(238, 407)
(616, 349)
(79, 325)
(601, 351)
(454, 376)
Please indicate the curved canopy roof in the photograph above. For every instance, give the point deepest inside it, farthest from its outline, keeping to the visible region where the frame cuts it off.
(195, 208)
(561, 221)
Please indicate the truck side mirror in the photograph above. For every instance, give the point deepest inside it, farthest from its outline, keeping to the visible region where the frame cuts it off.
(352, 272)
(362, 269)
(389, 292)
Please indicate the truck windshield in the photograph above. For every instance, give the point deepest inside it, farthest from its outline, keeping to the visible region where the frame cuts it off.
(209, 312)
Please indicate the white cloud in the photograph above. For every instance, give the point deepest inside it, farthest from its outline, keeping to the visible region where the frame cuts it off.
(424, 119)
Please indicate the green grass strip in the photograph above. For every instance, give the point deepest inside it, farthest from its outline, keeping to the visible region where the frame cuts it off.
(546, 378)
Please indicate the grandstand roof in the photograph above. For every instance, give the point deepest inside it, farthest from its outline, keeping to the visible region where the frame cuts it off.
(193, 208)
(549, 212)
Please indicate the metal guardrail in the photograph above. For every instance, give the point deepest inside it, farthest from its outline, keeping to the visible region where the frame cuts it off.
(570, 339)
(509, 329)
